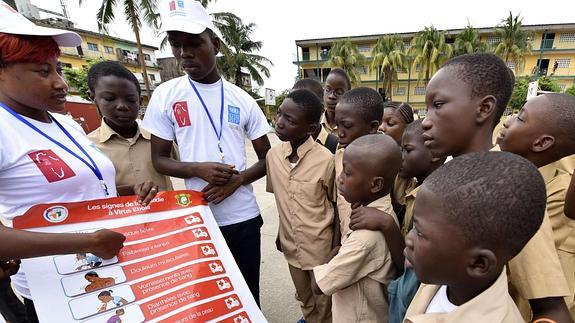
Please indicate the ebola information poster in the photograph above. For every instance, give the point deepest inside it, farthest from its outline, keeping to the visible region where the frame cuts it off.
(175, 265)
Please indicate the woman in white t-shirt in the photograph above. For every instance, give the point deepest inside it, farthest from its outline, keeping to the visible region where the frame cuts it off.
(43, 159)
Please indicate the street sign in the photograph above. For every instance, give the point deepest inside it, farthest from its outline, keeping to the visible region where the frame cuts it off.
(532, 90)
(270, 97)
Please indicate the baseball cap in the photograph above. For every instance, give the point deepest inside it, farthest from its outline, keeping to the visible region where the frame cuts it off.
(188, 16)
(12, 22)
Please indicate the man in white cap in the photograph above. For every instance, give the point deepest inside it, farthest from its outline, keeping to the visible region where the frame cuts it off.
(209, 118)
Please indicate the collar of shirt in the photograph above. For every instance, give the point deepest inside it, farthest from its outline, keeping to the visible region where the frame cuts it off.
(384, 204)
(106, 133)
(412, 191)
(548, 172)
(493, 305)
(301, 150)
(322, 136)
(326, 126)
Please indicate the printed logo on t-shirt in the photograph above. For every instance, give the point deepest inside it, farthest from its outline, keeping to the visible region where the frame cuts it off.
(56, 214)
(233, 114)
(51, 166)
(181, 113)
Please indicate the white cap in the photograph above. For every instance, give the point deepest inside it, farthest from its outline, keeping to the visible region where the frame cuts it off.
(12, 22)
(188, 16)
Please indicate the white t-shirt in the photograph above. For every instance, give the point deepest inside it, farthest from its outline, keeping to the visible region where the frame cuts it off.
(440, 303)
(34, 170)
(175, 113)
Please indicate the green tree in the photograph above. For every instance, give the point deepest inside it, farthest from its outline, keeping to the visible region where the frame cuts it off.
(238, 51)
(570, 90)
(429, 51)
(515, 42)
(388, 57)
(468, 41)
(345, 54)
(135, 12)
(78, 78)
(519, 95)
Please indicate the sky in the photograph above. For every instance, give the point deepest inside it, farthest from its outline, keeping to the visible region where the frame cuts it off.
(281, 22)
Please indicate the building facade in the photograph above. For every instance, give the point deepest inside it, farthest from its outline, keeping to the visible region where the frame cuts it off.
(553, 50)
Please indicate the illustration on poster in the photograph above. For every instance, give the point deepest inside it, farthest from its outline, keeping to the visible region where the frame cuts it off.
(232, 302)
(192, 219)
(87, 260)
(97, 282)
(199, 233)
(223, 284)
(215, 268)
(208, 251)
(116, 318)
(106, 297)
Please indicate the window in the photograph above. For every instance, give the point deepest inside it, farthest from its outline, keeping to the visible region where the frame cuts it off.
(562, 86)
(361, 69)
(399, 91)
(363, 48)
(511, 65)
(152, 77)
(324, 52)
(305, 54)
(109, 50)
(419, 90)
(563, 62)
(66, 65)
(92, 46)
(567, 38)
(492, 40)
(147, 57)
(407, 44)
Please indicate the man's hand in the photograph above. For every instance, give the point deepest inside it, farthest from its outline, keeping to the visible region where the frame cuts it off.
(216, 174)
(216, 194)
(106, 243)
(367, 218)
(146, 191)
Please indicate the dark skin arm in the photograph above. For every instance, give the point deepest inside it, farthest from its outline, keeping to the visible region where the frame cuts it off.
(217, 193)
(164, 163)
(376, 220)
(570, 200)
(17, 244)
(551, 308)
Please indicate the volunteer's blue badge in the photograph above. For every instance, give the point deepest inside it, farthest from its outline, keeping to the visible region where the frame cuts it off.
(233, 114)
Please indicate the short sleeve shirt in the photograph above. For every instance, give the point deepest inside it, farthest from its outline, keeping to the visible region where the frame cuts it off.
(304, 199)
(343, 206)
(175, 113)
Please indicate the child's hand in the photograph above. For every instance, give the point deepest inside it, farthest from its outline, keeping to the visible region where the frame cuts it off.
(146, 191)
(367, 218)
(106, 243)
(215, 173)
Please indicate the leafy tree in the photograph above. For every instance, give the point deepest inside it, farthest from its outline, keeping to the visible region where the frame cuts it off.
(345, 54)
(78, 78)
(468, 41)
(135, 12)
(570, 90)
(388, 57)
(519, 95)
(429, 51)
(238, 52)
(515, 43)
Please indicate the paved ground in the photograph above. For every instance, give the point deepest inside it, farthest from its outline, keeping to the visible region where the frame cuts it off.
(277, 291)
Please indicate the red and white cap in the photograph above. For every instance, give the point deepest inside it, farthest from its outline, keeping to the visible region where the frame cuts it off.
(188, 16)
(12, 22)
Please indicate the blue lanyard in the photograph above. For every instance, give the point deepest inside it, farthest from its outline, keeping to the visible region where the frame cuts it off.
(218, 134)
(92, 165)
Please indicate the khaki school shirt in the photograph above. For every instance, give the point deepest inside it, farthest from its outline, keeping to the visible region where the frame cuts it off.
(409, 204)
(343, 207)
(322, 136)
(327, 127)
(304, 199)
(132, 158)
(493, 305)
(567, 164)
(357, 275)
(402, 186)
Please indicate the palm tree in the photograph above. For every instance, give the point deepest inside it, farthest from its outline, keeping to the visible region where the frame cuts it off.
(468, 41)
(515, 42)
(238, 51)
(429, 51)
(135, 12)
(388, 57)
(345, 54)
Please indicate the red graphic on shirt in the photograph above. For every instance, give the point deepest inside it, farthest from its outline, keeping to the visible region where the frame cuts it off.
(52, 166)
(181, 114)
(172, 5)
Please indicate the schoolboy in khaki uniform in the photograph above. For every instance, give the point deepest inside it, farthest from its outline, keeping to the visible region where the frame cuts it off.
(464, 100)
(543, 134)
(472, 215)
(354, 277)
(337, 84)
(300, 173)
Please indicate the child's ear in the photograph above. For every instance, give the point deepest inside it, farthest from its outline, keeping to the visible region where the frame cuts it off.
(486, 109)
(216, 43)
(374, 126)
(312, 128)
(377, 184)
(543, 143)
(481, 263)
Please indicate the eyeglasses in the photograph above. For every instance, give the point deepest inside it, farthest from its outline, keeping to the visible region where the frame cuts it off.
(338, 92)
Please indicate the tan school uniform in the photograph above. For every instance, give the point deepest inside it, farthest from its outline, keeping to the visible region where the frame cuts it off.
(304, 199)
(131, 157)
(322, 136)
(402, 186)
(567, 164)
(357, 275)
(327, 127)
(494, 305)
(409, 204)
(343, 207)
(556, 182)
